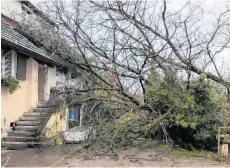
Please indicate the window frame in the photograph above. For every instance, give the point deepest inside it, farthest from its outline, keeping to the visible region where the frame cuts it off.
(13, 64)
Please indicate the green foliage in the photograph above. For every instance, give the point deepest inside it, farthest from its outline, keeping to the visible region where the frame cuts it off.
(101, 93)
(10, 83)
(65, 109)
(209, 156)
(58, 140)
(127, 117)
(193, 115)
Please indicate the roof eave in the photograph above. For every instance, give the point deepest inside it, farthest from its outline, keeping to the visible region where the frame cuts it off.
(31, 53)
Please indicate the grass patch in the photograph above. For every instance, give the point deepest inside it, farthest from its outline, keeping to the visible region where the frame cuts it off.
(186, 153)
(208, 155)
(221, 159)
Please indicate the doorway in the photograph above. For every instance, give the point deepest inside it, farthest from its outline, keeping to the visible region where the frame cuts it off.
(41, 83)
(74, 116)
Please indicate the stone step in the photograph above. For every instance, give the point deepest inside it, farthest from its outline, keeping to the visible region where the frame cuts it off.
(20, 139)
(21, 145)
(30, 118)
(34, 114)
(46, 110)
(28, 123)
(44, 105)
(26, 128)
(21, 133)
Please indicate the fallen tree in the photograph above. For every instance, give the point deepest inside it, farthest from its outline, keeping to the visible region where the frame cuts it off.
(118, 45)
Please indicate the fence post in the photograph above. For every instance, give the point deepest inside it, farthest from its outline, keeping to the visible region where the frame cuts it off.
(218, 139)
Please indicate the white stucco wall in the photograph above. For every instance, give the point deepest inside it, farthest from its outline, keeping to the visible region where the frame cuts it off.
(66, 80)
(10, 6)
(56, 78)
(61, 78)
(35, 83)
(76, 82)
(51, 80)
(13, 9)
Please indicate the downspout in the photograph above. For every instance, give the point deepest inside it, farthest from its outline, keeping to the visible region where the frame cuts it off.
(228, 94)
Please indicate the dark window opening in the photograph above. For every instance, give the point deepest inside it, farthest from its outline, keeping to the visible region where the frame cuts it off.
(73, 76)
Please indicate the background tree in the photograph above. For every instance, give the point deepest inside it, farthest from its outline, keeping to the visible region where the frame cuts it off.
(124, 37)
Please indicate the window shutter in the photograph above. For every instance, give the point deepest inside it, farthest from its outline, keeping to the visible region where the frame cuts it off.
(8, 67)
(21, 68)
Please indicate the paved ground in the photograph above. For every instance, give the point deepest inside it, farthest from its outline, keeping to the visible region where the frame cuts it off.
(131, 157)
(28, 158)
(44, 157)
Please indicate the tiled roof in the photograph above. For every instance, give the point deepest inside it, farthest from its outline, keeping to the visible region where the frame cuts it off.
(12, 36)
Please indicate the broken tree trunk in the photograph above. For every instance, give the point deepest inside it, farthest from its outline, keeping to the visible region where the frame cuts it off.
(224, 150)
(223, 146)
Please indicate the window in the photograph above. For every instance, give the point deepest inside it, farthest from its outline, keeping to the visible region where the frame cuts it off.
(9, 64)
(27, 9)
(13, 64)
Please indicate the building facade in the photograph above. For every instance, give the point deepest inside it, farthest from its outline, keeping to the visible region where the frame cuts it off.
(29, 64)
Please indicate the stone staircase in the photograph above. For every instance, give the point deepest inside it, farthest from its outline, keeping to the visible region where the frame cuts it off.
(25, 132)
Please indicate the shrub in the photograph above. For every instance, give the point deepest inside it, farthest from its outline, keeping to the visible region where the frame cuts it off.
(10, 83)
(193, 115)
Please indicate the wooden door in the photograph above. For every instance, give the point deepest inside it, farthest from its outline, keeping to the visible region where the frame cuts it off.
(41, 83)
(74, 116)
